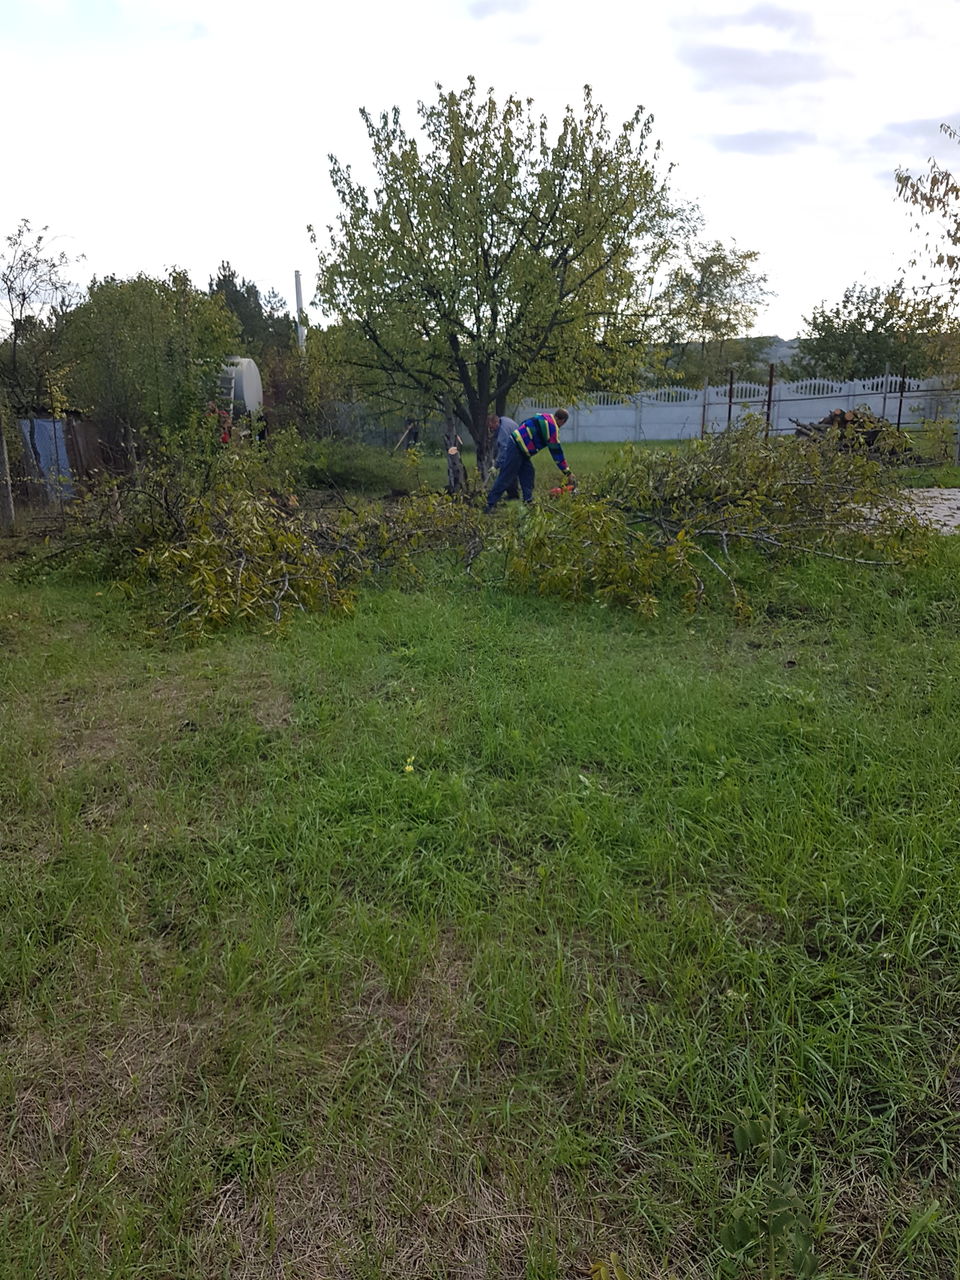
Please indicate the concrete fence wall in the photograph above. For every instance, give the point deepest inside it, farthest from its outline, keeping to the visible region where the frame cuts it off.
(677, 413)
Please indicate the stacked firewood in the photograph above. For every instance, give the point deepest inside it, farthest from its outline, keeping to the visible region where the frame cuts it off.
(858, 429)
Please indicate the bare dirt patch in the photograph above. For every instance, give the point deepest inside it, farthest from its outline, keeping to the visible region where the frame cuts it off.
(937, 507)
(271, 707)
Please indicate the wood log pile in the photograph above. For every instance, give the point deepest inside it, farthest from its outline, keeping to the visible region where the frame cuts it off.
(862, 430)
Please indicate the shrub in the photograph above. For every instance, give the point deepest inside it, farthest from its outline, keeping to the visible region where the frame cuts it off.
(201, 547)
(661, 519)
(225, 541)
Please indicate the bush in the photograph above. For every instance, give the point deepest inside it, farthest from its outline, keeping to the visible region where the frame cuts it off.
(204, 545)
(200, 547)
(663, 519)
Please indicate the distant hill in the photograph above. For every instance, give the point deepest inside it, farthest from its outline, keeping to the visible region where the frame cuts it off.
(779, 350)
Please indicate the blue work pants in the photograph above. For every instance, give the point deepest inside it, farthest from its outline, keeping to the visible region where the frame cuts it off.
(513, 464)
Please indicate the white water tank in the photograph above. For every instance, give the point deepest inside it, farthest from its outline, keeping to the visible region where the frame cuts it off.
(240, 384)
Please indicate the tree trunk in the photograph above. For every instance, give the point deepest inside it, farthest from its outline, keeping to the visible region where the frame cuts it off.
(7, 514)
(484, 451)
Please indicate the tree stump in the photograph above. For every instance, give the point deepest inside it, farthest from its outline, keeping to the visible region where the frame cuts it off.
(456, 471)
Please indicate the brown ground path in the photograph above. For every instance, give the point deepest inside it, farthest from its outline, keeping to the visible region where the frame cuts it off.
(941, 507)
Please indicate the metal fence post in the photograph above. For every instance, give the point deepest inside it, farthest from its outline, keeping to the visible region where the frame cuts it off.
(703, 410)
(766, 428)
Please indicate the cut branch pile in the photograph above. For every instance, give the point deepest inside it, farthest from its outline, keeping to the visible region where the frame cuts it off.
(198, 558)
(668, 515)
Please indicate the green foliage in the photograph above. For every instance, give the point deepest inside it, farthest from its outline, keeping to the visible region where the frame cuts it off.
(783, 494)
(582, 549)
(768, 1223)
(608, 1269)
(936, 196)
(238, 557)
(935, 440)
(873, 329)
(332, 394)
(219, 536)
(710, 301)
(265, 326)
(358, 468)
(487, 254)
(201, 544)
(34, 297)
(144, 355)
(662, 519)
(118, 517)
(693, 362)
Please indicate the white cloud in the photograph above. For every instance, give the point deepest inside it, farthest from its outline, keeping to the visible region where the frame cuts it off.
(797, 22)
(159, 132)
(764, 142)
(728, 67)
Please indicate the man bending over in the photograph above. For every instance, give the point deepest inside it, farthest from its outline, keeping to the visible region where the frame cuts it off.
(542, 431)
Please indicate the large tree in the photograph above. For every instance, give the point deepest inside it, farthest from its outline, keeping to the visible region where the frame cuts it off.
(265, 323)
(873, 329)
(145, 354)
(489, 255)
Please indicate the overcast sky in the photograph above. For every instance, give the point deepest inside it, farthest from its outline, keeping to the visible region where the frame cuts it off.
(157, 133)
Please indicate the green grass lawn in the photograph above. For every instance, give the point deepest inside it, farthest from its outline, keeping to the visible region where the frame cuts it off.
(943, 476)
(370, 471)
(479, 936)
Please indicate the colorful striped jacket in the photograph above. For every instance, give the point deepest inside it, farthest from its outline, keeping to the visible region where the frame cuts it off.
(541, 432)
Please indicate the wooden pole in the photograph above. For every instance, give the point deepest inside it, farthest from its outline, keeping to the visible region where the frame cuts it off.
(401, 440)
(766, 428)
(7, 513)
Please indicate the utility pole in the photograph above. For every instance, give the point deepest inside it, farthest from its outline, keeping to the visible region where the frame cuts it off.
(301, 328)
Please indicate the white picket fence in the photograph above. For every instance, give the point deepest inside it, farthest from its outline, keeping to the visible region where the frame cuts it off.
(676, 413)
